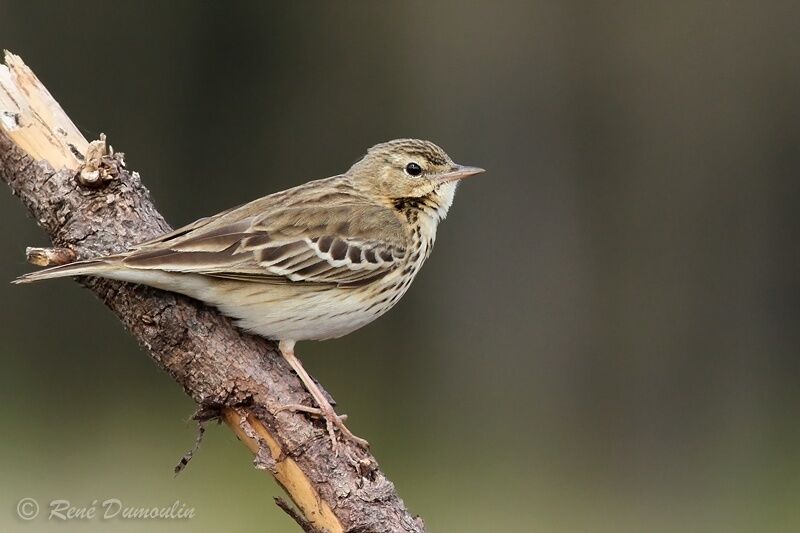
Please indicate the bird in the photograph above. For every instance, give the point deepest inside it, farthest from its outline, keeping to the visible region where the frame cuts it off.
(313, 262)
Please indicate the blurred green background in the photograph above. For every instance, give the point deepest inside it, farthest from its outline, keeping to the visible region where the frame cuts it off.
(606, 338)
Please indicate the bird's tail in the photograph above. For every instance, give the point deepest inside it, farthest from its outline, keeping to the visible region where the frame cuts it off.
(90, 267)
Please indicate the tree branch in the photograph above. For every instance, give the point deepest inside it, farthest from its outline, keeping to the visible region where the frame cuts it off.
(81, 194)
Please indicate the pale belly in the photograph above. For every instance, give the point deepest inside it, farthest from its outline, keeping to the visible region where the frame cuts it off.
(291, 312)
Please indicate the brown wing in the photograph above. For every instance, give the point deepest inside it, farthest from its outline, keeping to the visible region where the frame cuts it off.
(349, 243)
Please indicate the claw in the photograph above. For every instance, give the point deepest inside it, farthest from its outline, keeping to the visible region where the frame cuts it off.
(300, 408)
(332, 422)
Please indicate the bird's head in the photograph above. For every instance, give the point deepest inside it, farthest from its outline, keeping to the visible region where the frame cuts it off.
(405, 171)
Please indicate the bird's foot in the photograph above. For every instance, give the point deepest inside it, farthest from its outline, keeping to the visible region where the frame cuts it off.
(332, 422)
(325, 410)
(300, 408)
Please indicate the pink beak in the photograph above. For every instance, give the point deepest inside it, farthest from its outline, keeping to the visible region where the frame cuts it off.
(459, 172)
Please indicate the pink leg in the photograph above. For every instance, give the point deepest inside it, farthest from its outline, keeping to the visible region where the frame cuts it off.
(332, 420)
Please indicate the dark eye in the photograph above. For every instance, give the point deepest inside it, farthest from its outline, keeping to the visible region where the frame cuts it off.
(413, 169)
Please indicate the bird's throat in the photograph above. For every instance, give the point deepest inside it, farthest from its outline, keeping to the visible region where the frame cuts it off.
(435, 204)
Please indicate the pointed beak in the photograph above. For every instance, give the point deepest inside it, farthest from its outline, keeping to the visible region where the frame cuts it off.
(458, 172)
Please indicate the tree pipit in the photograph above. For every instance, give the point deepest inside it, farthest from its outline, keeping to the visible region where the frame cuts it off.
(310, 263)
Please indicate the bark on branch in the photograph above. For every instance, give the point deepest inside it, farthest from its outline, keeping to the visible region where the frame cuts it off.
(90, 205)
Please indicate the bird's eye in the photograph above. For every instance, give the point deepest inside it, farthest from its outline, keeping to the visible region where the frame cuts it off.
(413, 169)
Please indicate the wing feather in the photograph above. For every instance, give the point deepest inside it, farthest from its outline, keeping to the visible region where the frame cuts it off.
(349, 243)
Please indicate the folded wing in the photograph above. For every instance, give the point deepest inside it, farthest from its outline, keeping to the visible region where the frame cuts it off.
(346, 245)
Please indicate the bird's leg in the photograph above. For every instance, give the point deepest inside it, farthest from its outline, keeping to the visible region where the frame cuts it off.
(325, 408)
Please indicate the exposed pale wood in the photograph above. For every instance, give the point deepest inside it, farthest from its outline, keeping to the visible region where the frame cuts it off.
(105, 210)
(252, 432)
(32, 118)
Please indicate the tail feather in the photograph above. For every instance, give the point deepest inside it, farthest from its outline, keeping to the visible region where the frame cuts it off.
(90, 267)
